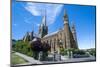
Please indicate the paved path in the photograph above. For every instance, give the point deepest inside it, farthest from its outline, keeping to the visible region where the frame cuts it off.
(29, 59)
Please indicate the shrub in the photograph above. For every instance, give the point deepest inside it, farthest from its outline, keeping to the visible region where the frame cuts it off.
(92, 51)
(22, 47)
(80, 52)
(63, 51)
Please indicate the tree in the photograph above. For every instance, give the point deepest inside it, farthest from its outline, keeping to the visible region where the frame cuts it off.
(22, 47)
(45, 48)
(92, 51)
(37, 46)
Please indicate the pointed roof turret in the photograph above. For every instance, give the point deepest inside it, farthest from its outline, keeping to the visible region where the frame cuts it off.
(33, 29)
(73, 25)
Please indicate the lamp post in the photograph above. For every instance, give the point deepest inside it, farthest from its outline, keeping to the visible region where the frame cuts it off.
(60, 44)
(54, 53)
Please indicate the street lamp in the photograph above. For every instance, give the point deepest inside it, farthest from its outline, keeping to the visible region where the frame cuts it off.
(60, 44)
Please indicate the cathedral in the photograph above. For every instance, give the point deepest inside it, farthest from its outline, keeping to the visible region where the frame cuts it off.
(64, 38)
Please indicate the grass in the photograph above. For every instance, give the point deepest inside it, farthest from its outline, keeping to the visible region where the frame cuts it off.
(15, 59)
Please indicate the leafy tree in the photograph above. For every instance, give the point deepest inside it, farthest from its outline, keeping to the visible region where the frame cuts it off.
(92, 51)
(22, 47)
(37, 46)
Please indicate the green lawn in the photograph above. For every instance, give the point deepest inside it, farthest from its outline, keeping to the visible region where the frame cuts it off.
(15, 59)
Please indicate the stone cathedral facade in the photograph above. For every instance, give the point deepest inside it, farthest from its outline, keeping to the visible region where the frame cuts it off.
(63, 38)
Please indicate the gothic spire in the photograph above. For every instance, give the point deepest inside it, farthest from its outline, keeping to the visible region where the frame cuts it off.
(43, 28)
(44, 18)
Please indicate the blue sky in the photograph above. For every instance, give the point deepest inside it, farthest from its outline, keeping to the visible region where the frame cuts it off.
(27, 16)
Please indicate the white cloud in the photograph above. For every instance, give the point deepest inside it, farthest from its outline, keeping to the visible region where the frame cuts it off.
(33, 9)
(38, 9)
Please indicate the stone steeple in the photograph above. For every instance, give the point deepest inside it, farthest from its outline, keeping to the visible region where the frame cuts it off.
(66, 30)
(74, 33)
(43, 29)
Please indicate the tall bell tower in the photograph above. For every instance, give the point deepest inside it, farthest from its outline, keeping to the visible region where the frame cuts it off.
(66, 30)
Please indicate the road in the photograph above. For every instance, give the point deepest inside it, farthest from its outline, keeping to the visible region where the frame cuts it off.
(35, 62)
